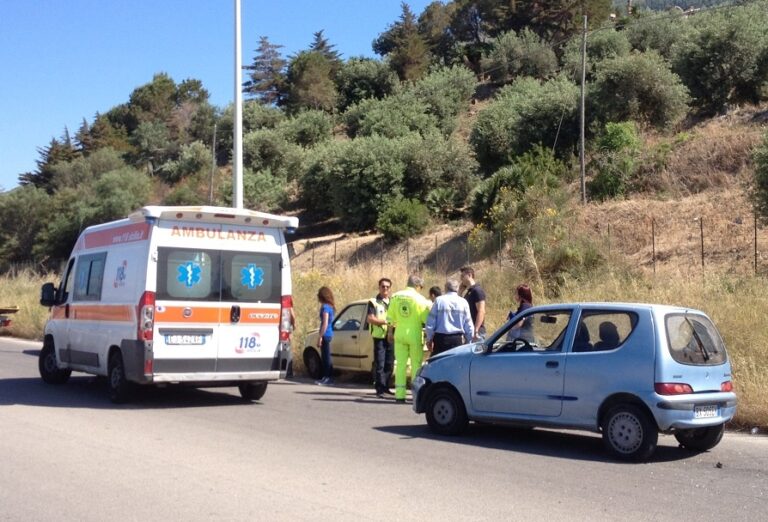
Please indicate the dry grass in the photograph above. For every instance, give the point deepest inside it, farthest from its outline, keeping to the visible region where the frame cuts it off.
(22, 289)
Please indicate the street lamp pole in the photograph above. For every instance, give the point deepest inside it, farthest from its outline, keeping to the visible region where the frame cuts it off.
(237, 153)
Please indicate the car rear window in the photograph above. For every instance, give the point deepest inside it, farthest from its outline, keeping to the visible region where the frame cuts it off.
(693, 339)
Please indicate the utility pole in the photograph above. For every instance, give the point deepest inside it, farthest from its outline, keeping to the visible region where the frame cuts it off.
(582, 173)
(237, 153)
(213, 166)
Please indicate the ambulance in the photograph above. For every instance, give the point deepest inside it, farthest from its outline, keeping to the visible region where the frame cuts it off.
(191, 295)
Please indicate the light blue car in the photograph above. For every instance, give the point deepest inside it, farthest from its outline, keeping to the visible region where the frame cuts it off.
(628, 371)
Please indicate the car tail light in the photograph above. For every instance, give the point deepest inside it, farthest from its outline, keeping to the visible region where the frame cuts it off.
(146, 316)
(726, 386)
(672, 388)
(286, 312)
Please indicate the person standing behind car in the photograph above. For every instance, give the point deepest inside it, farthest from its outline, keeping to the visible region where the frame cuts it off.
(325, 335)
(475, 296)
(407, 314)
(524, 328)
(383, 352)
(449, 323)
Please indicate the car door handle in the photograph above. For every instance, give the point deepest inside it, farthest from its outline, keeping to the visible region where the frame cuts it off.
(552, 364)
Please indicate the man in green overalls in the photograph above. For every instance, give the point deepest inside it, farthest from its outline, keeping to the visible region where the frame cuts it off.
(407, 313)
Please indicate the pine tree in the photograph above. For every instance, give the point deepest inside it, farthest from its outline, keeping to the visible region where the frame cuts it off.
(267, 81)
(407, 50)
(321, 44)
(310, 82)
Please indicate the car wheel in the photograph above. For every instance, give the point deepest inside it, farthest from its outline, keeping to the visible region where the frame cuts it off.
(252, 391)
(118, 386)
(446, 413)
(700, 439)
(629, 434)
(48, 367)
(312, 363)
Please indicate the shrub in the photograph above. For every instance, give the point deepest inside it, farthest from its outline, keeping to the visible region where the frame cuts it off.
(307, 128)
(446, 92)
(525, 114)
(361, 78)
(638, 87)
(402, 219)
(658, 32)
(356, 179)
(615, 161)
(268, 149)
(391, 117)
(524, 55)
(725, 60)
(601, 45)
(262, 191)
(193, 158)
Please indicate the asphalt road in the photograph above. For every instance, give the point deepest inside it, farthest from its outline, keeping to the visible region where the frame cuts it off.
(329, 453)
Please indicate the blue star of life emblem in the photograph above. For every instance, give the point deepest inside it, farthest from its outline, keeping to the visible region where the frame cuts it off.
(252, 276)
(189, 274)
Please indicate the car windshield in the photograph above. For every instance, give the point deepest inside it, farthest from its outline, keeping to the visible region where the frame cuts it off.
(693, 339)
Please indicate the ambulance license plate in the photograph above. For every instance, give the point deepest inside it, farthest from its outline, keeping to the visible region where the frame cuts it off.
(184, 339)
(703, 412)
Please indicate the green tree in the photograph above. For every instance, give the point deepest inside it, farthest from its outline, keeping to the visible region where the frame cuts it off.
(511, 55)
(267, 82)
(58, 151)
(435, 27)
(152, 144)
(307, 128)
(362, 78)
(526, 113)
(393, 116)
(614, 161)
(155, 100)
(321, 45)
(660, 32)
(402, 218)
(638, 87)
(405, 48)
(23, 214)
(602, 45)
(310, 82)
(447, 92)
(725, 61)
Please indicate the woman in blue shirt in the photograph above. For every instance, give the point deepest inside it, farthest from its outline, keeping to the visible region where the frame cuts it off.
(327, 311)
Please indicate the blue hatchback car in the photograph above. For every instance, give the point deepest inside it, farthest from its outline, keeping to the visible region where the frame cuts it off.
(628, 371)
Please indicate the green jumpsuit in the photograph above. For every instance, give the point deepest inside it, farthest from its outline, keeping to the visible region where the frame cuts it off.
(407, 313)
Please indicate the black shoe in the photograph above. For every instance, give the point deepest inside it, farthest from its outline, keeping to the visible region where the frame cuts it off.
(400, 401)
(387, 391)
(379, 395)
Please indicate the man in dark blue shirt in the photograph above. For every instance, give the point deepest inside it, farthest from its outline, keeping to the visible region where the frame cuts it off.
(475, 296)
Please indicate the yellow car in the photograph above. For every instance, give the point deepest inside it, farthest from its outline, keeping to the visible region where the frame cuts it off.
(352, 344)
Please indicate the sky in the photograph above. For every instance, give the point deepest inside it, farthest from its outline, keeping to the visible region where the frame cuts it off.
(65, 60)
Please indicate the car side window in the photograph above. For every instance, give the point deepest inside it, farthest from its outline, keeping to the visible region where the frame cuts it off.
(351, 318)
(602, 331)
(542, 332)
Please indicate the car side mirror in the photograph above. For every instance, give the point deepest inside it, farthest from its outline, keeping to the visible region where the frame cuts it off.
(48, 295)
(478, 348)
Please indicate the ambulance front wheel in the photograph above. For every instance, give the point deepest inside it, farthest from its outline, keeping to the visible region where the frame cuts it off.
(49, 368)
(253, 391)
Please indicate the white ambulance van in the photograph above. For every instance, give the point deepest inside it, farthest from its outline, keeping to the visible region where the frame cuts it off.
(191, 295)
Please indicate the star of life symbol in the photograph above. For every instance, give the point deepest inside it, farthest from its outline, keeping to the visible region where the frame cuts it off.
(252, 276)
(189, 274)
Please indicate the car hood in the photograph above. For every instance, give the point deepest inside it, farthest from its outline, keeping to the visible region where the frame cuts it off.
(463, 350)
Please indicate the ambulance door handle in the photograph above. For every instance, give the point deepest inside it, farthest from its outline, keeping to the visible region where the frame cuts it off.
(234, 314)
(66, 310)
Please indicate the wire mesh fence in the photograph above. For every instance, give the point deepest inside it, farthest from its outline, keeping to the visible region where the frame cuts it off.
(660, 243)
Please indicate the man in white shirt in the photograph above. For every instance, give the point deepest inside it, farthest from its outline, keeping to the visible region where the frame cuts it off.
(449, 323)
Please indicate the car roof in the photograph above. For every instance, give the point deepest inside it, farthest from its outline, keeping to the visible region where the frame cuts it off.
(594, 305)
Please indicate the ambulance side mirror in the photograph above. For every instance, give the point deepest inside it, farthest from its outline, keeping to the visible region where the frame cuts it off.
(48, 295)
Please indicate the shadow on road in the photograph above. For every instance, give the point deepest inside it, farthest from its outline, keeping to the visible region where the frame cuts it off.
(91, 392)
(573, 446)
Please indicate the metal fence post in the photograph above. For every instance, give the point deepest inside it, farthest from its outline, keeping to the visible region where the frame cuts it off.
(701, 227)
(653, 244)
(755, 242)
(313, 256)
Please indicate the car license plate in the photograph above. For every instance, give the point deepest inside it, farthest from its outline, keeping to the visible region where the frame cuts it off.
(703, 412)
(184, 339)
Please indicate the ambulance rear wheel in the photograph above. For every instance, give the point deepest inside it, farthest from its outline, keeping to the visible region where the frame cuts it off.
(49, 368)
(253, 391)
(118, 386)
